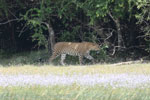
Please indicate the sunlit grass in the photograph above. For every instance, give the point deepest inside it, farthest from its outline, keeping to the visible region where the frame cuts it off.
(85, 69)
(73, 92)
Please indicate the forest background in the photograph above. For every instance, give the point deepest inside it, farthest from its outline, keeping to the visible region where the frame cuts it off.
(120, 27)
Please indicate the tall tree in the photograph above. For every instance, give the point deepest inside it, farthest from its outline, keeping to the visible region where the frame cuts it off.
(107, 10)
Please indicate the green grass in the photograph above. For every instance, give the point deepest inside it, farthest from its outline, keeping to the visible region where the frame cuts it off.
(73, 92)
(31, 57)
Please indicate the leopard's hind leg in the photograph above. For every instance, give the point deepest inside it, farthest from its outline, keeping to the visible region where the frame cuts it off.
(54, 55)
(80, 59)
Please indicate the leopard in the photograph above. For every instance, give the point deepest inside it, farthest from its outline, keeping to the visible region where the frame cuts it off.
(80, 49)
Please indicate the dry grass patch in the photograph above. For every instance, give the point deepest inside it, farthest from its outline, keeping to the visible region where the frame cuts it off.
(86, 69)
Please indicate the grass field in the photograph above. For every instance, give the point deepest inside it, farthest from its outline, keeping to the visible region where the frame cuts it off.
(88, 82)
(85, 69)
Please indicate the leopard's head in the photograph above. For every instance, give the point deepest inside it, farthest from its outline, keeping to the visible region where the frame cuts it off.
(95, 47)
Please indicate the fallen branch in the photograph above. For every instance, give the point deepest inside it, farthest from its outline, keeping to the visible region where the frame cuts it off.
(128, 62)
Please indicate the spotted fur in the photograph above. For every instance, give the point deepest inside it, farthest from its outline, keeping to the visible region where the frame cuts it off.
(75, 49)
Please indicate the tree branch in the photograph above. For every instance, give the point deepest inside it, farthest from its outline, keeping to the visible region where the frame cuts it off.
(98, 29)
(22, 30)
(9, 21)
(109, 35)
(109, 13)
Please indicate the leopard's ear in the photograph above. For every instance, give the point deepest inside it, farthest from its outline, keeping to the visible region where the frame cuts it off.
(95, 42)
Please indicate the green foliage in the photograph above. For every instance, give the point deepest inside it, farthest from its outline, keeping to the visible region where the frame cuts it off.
(72, 13)
(97, 9)
(67, 35)
(144, 20)
(76, 20)
(34, 18)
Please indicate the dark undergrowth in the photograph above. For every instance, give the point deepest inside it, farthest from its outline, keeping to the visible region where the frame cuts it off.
(42, 56)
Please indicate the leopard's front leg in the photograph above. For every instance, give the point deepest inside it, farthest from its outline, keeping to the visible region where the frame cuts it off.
(88, 56)
(63, 56)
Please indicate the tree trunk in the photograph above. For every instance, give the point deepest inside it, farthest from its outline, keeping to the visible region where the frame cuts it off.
(120, 39)
(51, 39)
(119, 33)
